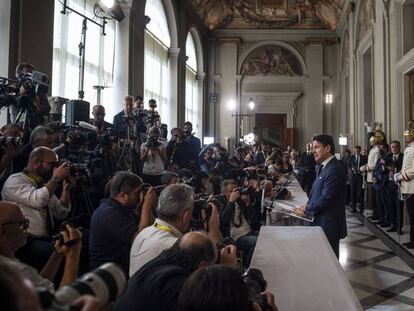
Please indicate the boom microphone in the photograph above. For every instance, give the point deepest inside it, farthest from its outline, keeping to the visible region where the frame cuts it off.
(87, 126)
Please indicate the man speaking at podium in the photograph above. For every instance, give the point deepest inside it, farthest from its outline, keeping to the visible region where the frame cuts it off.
(327, 196)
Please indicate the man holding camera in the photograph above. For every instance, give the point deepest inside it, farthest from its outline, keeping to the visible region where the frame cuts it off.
(118, 220)
(157, 285)
(175, 208)
(13, 236)
(33, 191)
(240, 219)
(177, 149)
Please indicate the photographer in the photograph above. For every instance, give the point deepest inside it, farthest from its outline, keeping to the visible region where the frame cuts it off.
(205, 159)
(157, 285)
(118, 220)
(174, 211)
(13, 236)
(195, 145)
(240, 219)
(153, 156)
(177, 149)
(41, 136)
(219, 288)
(33, 191)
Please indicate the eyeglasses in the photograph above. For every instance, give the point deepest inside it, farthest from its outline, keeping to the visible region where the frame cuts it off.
(23, 224)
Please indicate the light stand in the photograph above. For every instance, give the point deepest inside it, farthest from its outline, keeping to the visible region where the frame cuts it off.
(82, 44)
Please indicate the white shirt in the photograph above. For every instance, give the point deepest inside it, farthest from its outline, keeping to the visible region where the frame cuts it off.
(29, 273)
(150, 242)
(243, 229)
(324, 163)
(32, 201)
(153, 164)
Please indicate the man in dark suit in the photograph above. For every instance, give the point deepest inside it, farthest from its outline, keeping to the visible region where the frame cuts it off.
(396, 207)
(357, 194)
(327, 197)
(307, 169)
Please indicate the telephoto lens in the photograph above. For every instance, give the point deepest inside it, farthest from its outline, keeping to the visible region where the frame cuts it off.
(105, 283)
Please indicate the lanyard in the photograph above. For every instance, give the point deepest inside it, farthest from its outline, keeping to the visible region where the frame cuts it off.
(165, 228)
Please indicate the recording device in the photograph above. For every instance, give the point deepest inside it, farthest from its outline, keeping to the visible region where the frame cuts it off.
(246, 191)
(87, 126)
(105, 283)
(203, 204)
(158, 189)
(59, 237)
(152, 142)
(16, 141)
(256, 284)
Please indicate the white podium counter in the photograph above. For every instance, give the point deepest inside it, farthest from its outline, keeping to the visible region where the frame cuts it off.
(302, 271)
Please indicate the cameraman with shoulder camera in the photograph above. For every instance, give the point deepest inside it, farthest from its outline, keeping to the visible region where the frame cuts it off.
(33, 191)
(13, 236)
(240, 218)
(153, 156)
(157, 285)
(118, 220)
(175, 208)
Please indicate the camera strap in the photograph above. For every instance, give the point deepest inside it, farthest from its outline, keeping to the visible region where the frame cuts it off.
(165, 228)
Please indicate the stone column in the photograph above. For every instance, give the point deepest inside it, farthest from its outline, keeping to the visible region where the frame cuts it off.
(228, 86)
(200, 95)
(121, 66)
(314, 89)
(5, 9)
(172, 116)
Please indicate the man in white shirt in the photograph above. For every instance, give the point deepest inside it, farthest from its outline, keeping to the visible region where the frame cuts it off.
(33, 191)
(174, 211)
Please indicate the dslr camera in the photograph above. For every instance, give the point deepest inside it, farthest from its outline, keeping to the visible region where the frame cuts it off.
(256, 284)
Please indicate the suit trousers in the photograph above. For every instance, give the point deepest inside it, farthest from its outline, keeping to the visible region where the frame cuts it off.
(395, 206)
(357, 193)
(335, 246)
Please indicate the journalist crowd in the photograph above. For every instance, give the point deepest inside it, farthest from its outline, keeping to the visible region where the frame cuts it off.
(161, 224)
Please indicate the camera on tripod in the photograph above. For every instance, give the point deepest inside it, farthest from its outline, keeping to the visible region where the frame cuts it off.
(105, 283)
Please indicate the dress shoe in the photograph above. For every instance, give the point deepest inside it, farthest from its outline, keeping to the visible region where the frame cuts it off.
(409, 245)
(392, 229)
(385, 225)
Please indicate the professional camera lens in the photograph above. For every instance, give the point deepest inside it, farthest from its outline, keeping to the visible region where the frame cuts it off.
(256, 284)
(13, 140)
(105, 283)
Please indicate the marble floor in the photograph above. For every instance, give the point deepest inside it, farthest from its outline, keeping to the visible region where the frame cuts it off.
(379, 270)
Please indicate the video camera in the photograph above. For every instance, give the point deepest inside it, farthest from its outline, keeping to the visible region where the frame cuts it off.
(83, 162)
(105, 283)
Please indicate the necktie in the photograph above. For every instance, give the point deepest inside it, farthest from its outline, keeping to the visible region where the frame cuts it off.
(357, 161)
(395, 158)
(320, 169)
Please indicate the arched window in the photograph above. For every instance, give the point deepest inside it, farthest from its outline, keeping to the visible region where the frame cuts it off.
(99, 54)
(193, 89)
(157, 43)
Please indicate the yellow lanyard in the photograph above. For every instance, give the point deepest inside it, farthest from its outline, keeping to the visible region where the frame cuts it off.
(165, 228)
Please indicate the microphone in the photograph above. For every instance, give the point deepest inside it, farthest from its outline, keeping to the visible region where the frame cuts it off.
(87, 126)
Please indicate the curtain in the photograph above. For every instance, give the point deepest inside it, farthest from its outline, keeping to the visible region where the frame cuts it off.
(99, 54)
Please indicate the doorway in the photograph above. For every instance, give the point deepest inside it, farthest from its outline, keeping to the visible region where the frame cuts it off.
(271, 127)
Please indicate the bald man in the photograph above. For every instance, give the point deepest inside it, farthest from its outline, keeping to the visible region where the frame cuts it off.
(33, 191)
(98, 112)
(13, 235)
(159, 282)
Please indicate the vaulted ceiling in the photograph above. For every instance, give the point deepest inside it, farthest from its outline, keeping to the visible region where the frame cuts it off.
(270, 14)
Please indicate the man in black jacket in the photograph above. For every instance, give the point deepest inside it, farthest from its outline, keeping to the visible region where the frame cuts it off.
(357, 193)
(396, 207)
(157, 285)
(240, 218)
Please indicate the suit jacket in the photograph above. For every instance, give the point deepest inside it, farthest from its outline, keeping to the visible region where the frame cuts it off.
(353, 163)
(398, 163)
(327, 200)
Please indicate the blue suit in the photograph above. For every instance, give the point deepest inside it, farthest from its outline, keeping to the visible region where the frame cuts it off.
(327, 202)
